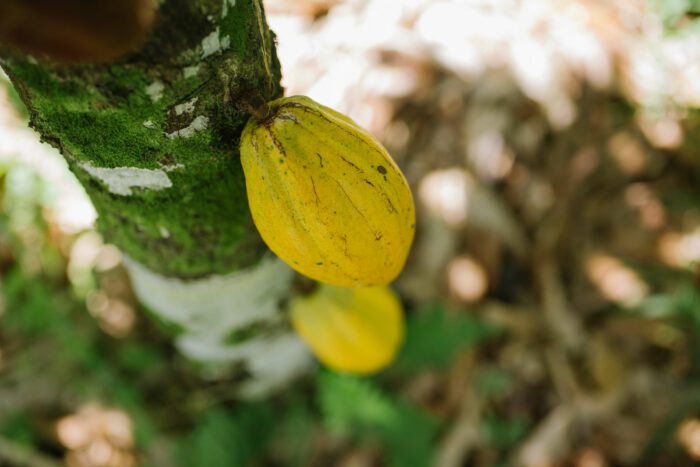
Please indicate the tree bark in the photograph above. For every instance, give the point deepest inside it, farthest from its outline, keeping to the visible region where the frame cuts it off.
(154, 140)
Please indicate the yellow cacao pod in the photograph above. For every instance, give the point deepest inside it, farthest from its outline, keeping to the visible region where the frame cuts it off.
(356, 330)
(325, 195)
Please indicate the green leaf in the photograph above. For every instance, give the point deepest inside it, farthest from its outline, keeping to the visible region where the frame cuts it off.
(672, 12)
(494, 382)
(29, 304)
(433, 338)
(17, 426)
(350, 403)
(139, 357)
(354, 406)
(409, 438)
(227, 439)
(294, 434)
(503, 433)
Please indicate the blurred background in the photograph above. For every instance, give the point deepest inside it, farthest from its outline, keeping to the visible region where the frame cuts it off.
(552, 294)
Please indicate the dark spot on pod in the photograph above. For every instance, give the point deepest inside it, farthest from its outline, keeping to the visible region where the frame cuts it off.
(320, 263)
(281, 161)
(381, 169)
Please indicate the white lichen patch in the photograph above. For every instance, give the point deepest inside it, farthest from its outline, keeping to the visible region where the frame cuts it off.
(155, 90)
(170, 168)
(210, 309)
(198, 124)
(165, 233)
(213, 43)
(190, 71)
(122, 180)
(215, 305)
(149, 124)
(272, 361)
(187, 107)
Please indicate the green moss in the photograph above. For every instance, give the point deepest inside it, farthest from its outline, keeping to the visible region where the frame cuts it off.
(238, 27)
(123, 140)
(199, 226)
(34, 76)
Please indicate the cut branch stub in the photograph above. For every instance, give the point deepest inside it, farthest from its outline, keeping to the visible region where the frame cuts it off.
(76, 30)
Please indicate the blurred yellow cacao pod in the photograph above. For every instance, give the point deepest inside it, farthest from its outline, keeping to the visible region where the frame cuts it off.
(76, 30)
(325, 195)
(356, 330)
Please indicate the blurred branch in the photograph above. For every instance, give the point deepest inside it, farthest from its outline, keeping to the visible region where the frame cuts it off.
(558, 314)
(465, 432)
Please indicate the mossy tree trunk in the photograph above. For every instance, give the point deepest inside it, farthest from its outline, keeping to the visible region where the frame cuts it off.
(154, 139)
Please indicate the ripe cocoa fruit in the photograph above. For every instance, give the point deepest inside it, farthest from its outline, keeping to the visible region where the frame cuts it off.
(325, 195)
(350, 330)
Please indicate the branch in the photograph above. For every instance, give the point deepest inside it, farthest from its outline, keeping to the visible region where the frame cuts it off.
(153, 138)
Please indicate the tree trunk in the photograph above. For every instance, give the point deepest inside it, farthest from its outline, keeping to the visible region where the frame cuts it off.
(154, 139)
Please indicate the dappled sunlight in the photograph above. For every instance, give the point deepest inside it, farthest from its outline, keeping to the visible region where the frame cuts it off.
(651, 211)
(590, 457)
(97, 437)
(108, 257)
(447, 193)
(616, 281)
(490, 156)
(680, 250)
(664, 132)
(689, 437)
(83, 254)
(628, 153)
(114, 316)
(467, 279)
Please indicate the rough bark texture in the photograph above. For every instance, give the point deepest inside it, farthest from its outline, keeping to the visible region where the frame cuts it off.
(153, 138)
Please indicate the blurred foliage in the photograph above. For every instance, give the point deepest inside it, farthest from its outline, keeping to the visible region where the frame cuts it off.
(355, 407)
(222, 438)
(678, 15)
(457, 333)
